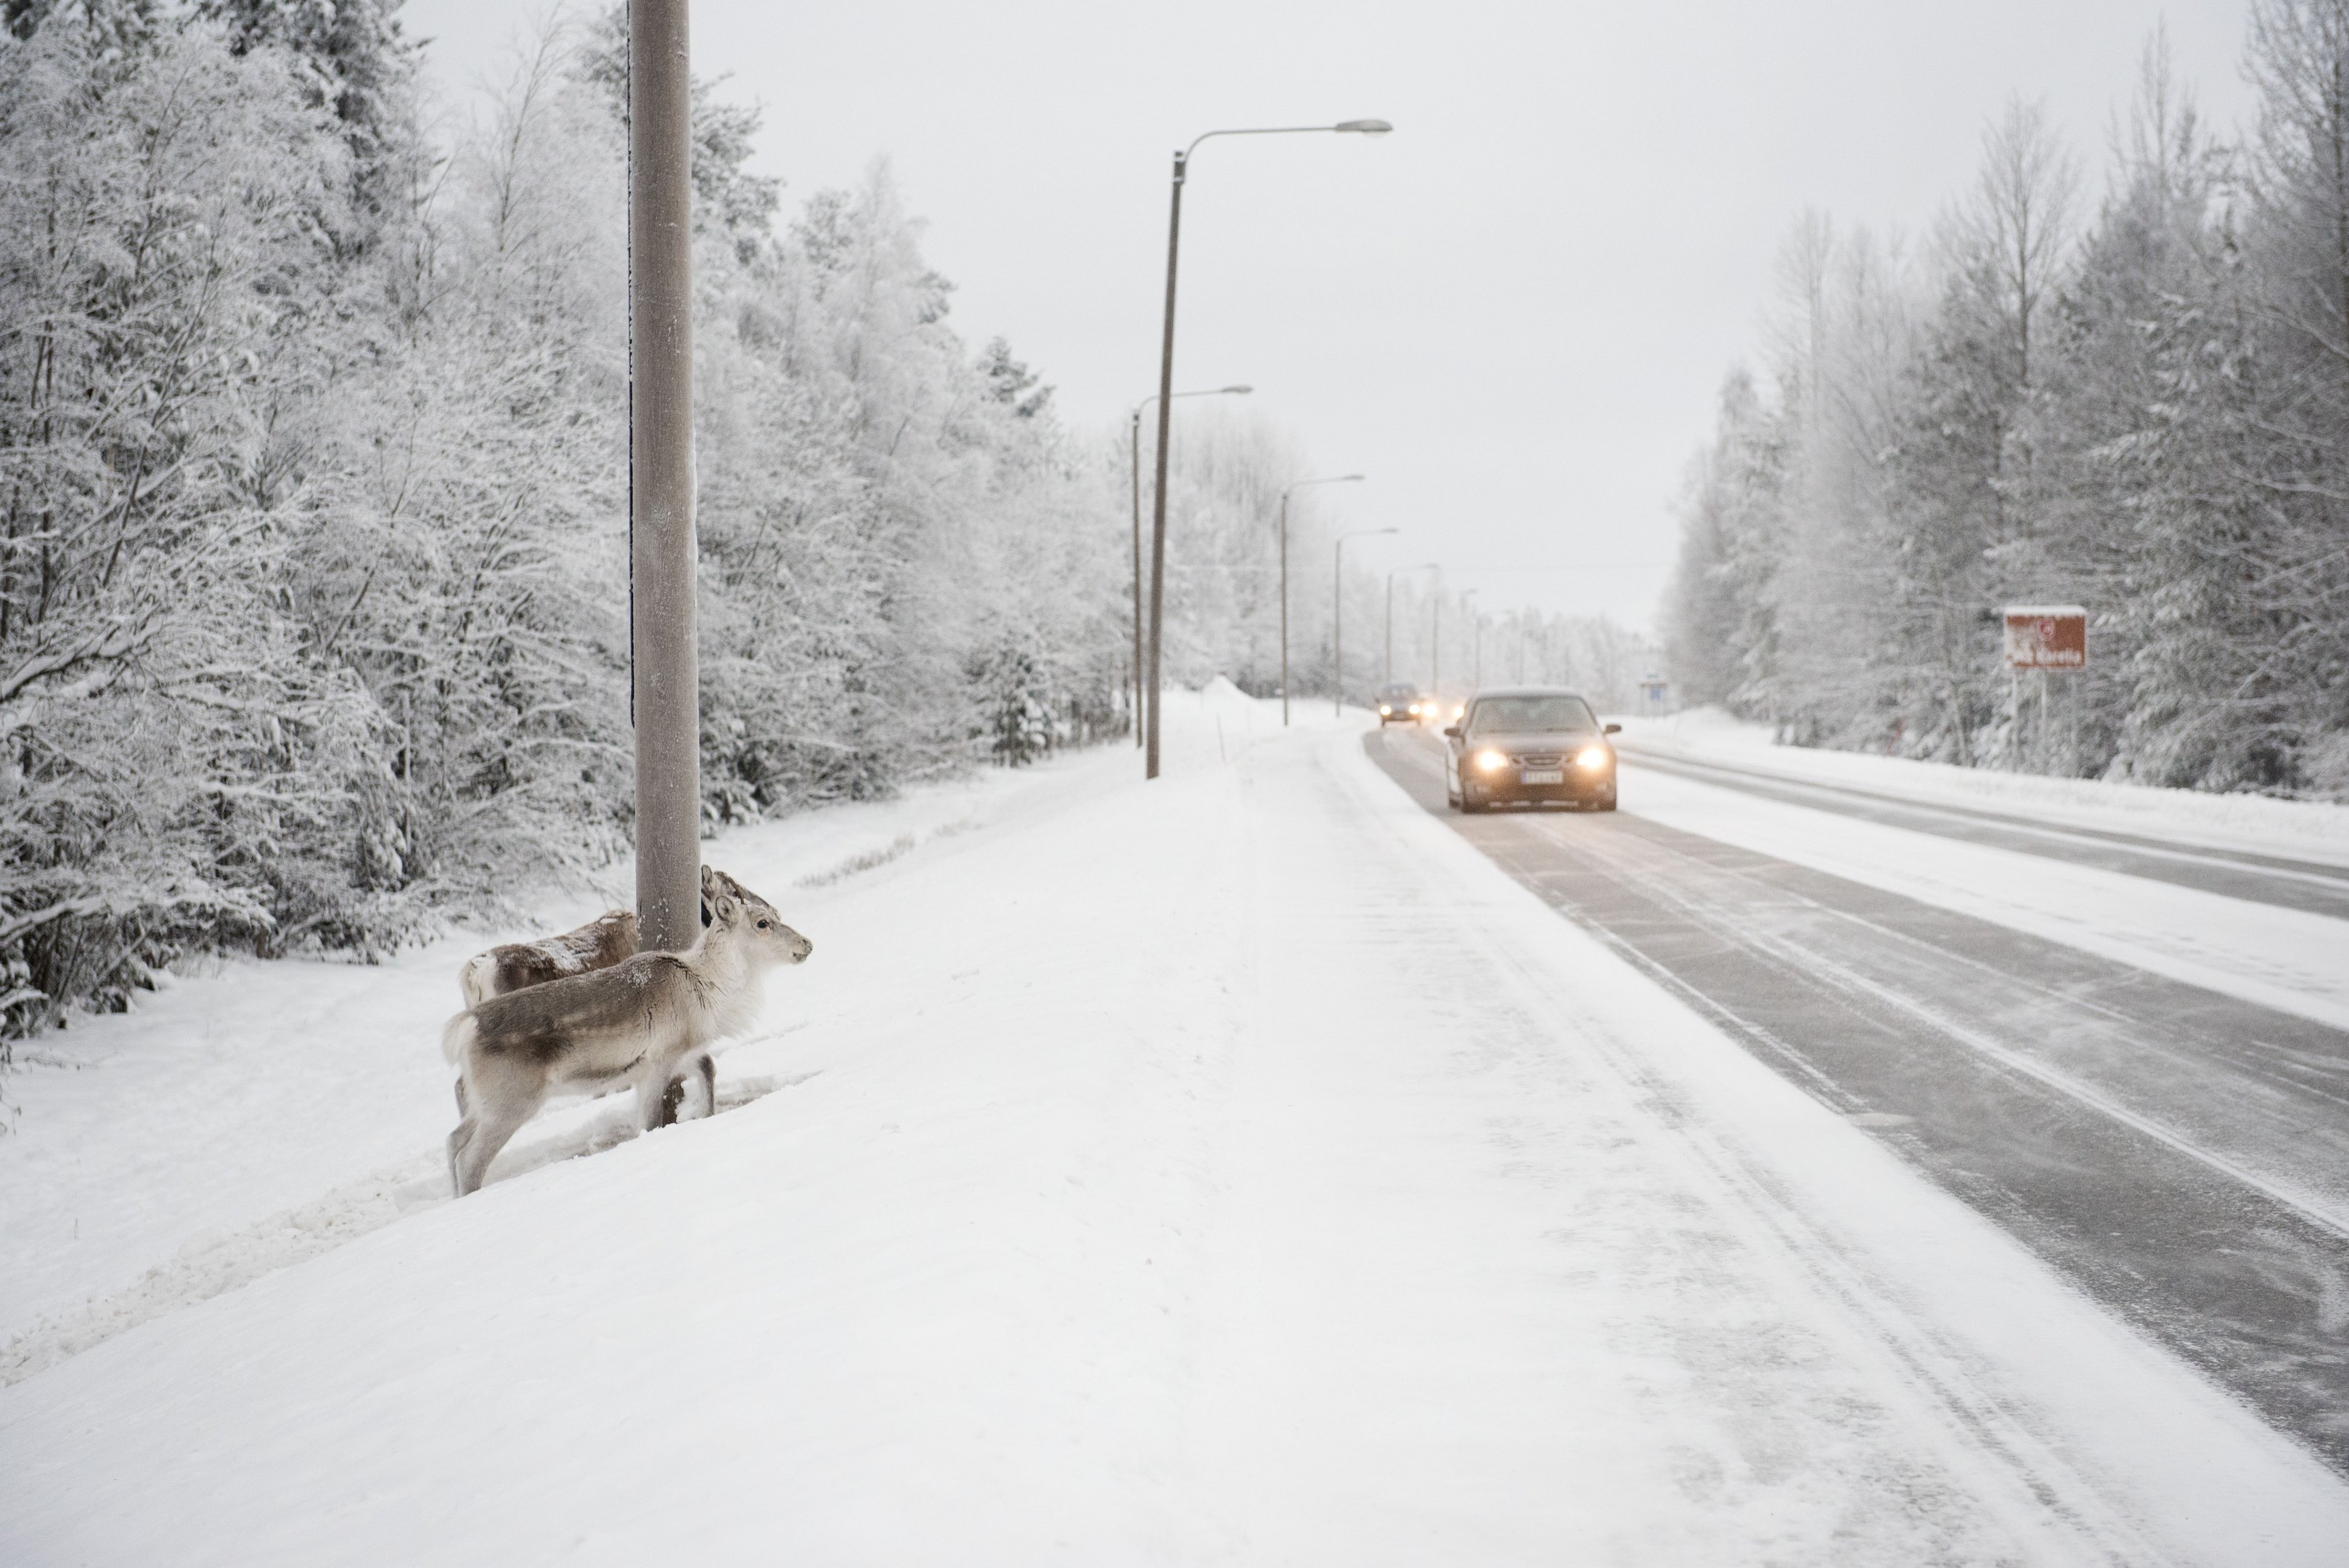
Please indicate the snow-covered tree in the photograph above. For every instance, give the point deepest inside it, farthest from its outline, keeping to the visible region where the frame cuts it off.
(2147, 413)
(180, 766)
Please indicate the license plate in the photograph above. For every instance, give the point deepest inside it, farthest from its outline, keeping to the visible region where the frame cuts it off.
(1545, 776)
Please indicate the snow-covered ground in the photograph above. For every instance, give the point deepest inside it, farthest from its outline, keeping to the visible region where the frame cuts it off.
(1234, 1169)
(250, 1115)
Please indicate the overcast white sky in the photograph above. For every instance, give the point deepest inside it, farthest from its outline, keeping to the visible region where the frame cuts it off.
(1514, 313)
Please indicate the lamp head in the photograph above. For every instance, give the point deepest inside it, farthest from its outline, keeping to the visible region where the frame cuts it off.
(1363, 127)
(1237, 392)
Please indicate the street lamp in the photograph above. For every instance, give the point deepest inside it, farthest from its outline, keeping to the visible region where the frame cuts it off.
(1399, 571)
(664, 701)
(1338, 620)
(1337, 478)
(1166, 393)
(1435, 643)
(1475, 639)
(1134, 444)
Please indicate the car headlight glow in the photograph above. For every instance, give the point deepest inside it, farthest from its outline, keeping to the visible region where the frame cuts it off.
(1492, 762)
(1591, 757)
(1414, 709)
(1385, 711)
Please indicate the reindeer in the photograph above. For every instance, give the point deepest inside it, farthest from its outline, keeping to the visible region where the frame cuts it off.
(599, 944)
(639, 1020)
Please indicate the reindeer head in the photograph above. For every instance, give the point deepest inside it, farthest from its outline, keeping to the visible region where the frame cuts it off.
(745, 918)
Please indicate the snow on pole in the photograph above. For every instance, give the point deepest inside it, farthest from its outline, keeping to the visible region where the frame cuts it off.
(667, 696)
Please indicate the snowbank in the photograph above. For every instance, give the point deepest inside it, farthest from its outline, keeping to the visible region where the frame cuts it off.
(251, 1115)
(2309, 830)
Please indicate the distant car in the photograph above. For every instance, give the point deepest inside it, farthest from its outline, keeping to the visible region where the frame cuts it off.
(1528, 746)
(1398, 704)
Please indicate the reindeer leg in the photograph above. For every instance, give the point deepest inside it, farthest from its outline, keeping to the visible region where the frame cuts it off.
(458, 1142)
(708, 1085)
(504, 1096)
(654, 1110)
(495, 1128)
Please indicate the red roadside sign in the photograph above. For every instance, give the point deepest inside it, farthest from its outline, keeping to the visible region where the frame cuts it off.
(2046, 637)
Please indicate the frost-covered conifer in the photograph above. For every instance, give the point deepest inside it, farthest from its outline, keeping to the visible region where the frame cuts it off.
(2147, 413)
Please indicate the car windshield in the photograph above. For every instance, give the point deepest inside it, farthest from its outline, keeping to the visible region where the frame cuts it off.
(1531, 715)
(1398, 694)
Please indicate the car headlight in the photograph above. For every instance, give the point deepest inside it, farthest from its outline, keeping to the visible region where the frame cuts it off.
(1492, 762)
(1592, 757)
(1414, 709)
(1459, 712)
(1385, 711)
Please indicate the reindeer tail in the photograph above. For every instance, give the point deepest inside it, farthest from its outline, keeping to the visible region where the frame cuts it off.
(456, 1037)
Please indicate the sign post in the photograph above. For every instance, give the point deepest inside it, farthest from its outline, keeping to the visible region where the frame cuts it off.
(2041, 638)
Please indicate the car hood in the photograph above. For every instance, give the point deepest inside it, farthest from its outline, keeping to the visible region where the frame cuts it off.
(1556, 740)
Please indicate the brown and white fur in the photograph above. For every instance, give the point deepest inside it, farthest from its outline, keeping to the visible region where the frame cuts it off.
(640, 1020)
(599, 944)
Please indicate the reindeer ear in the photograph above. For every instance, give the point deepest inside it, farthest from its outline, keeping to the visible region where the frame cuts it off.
(709, 880)
(727, 909)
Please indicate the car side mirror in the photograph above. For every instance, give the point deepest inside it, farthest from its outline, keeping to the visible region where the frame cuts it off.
(1454, 731)
(1614, 730)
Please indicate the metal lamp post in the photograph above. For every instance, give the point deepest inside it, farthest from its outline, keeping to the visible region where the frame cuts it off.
(1134, 446)
(1166, 393)
(1475, 639)
(1338, 620)
(1435, 641)
(1400, 571)
(1337, 478)
(665, 688)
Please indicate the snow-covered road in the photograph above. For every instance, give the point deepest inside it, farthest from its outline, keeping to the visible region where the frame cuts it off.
(2318, 887)
(2179, 1152)
(1243, 1168)
(2264, 930)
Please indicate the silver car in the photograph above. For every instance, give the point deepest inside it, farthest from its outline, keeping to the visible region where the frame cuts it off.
(1529, 746)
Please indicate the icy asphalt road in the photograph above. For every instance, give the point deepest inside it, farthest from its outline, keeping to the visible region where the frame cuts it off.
(2183, 1155)
(2314, 885)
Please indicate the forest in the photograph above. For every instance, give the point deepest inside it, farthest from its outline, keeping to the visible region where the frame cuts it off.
(313, 481)
(2130, 395)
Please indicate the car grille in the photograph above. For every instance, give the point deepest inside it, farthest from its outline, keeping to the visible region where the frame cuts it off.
(1547, 761)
